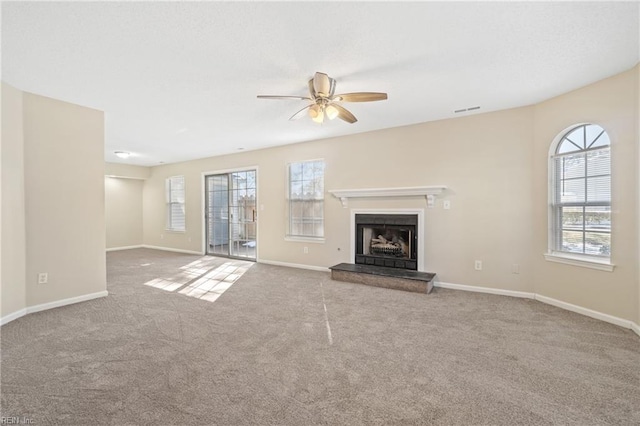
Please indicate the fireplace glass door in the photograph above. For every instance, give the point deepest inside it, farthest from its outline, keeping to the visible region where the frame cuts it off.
(387, 240)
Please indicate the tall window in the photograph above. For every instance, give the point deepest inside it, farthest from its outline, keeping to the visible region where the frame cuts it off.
(581, 193)
(175, 203)
(306, 199)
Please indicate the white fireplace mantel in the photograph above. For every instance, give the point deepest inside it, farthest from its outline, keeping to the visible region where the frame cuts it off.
(429, 192)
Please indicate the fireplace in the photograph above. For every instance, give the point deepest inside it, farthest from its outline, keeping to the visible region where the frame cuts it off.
(389, 240)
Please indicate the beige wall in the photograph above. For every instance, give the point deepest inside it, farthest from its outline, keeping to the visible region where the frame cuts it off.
(64, 195)
(495, 166)
(612, 104)
(483, 159)
(13, 251)
(126, 171)
(123, 212)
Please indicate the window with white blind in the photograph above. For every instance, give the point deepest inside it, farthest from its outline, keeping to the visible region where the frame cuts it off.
(580, 207)
(306, 200)
(175, 203)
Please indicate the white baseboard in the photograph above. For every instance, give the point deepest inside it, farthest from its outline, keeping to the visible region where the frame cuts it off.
(489, 290)
(124, 248)
(584, 311)
(50, 305)
(13, 316)
(294, 265)
(65, 302)
(549, 301)
(172, 249)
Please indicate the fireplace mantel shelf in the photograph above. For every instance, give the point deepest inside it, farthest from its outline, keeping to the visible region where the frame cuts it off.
(429, 192)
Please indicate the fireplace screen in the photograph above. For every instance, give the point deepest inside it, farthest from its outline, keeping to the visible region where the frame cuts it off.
(387, 240)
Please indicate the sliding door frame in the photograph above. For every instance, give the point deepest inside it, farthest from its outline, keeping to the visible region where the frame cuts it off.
(203, 204)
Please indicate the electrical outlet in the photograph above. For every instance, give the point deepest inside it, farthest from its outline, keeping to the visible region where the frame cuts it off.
(43, 278)
(305, 250)
(515, 268)
(446, 204)
(478, 265)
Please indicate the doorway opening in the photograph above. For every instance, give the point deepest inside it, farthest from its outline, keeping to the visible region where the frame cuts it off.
(230, 214)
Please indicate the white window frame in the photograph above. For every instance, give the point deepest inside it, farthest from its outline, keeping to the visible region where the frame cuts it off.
(553, 254)
(290, 236)
(178, 200)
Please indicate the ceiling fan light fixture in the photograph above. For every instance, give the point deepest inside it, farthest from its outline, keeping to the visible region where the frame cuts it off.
(331, 112)
(316, 113)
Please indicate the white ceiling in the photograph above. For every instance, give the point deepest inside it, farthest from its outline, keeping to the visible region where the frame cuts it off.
(178, 81)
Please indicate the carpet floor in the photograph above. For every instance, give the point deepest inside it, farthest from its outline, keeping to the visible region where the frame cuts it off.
(191, 340)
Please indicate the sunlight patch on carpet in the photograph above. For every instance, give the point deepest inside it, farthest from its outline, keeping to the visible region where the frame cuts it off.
(203, 279)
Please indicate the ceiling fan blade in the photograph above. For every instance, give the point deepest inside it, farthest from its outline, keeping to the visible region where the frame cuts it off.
(360, 97)
(304, 98)
(322, 84)
(312, 91)
(300, 113)
(344, 114)
(332, 90)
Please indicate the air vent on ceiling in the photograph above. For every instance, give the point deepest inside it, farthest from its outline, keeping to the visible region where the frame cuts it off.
(466, 109)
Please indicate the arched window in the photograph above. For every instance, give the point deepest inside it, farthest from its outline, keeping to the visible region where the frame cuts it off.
(581, 193)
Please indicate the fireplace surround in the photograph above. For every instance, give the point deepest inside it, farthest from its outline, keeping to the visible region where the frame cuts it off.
(386, 239)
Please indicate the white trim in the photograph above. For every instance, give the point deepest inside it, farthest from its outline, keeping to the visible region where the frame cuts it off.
(549, 301)
(567, 259)
(172, 249)
(124, 248)
(294, 265)
(65, 302)
(305, 240)
(415, 191)
(476, 289)
(584, 311)
(13, 316)
(50, 305)
(421, 229)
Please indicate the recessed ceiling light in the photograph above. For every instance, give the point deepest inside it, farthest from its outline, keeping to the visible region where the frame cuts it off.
(123, 154)
(240, 149)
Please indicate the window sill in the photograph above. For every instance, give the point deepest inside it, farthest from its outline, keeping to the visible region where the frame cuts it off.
(176, 231)
(582, 261)
(305, 239)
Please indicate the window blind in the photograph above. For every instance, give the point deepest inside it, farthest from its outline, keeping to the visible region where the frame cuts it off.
(175, 189)
(582, 197)
(306, 199)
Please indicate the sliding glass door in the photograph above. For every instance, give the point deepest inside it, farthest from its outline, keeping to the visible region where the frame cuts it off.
(231, 215)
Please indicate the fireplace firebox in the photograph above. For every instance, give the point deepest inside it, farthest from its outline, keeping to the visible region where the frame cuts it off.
(389, 240)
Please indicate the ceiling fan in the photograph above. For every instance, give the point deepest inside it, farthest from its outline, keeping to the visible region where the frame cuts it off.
(323, 101)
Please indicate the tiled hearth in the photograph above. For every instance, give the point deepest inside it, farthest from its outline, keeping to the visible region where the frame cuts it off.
(379, 276)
